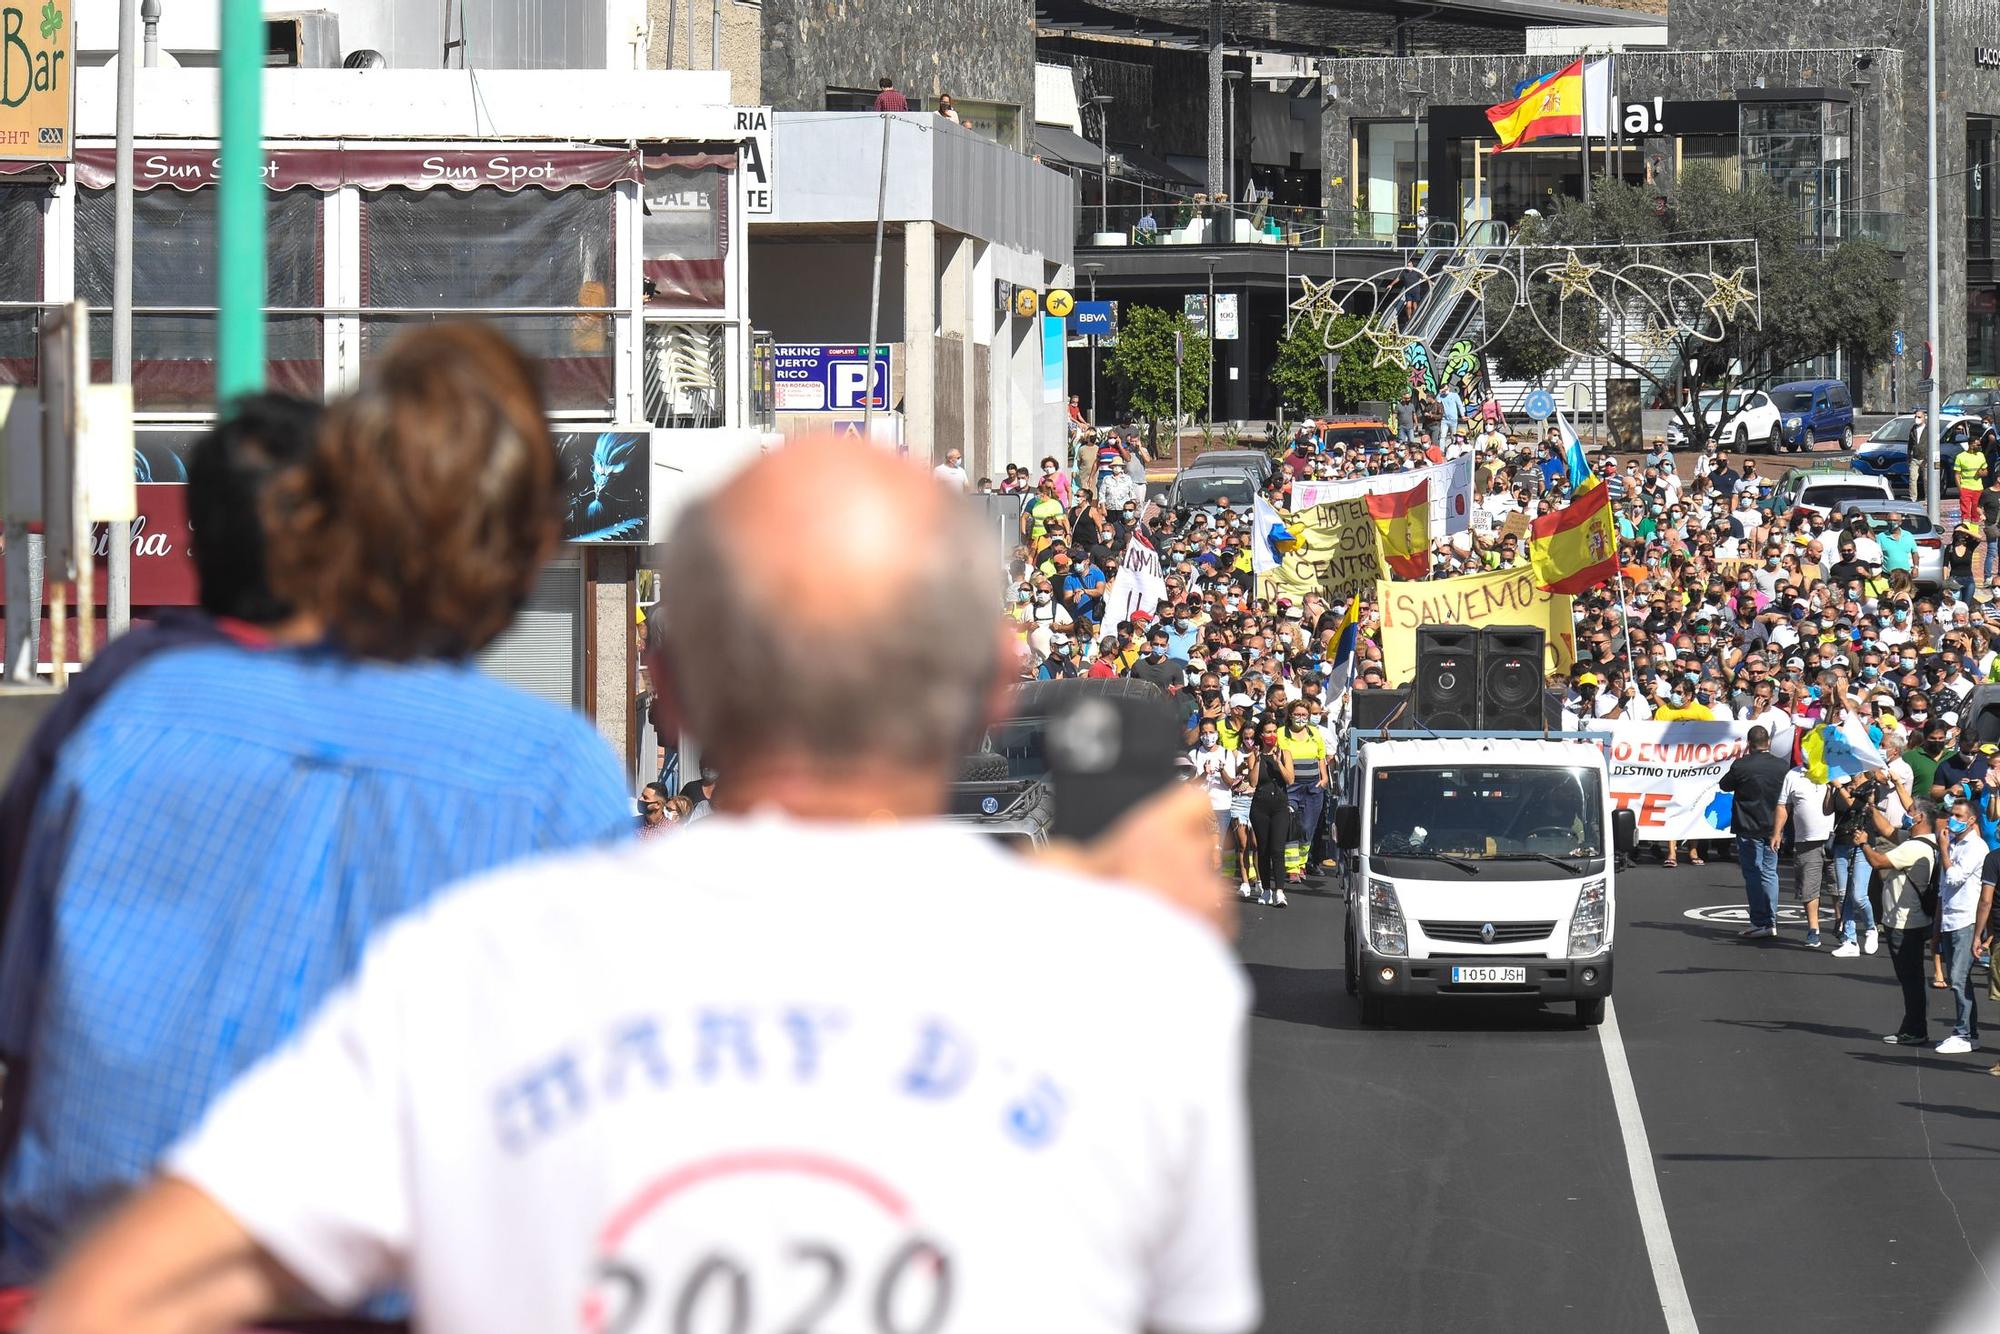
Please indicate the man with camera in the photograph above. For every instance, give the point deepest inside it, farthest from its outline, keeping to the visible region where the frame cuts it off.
(1851, 802)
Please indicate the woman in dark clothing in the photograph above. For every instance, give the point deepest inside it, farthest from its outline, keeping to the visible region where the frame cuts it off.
(1270, 812)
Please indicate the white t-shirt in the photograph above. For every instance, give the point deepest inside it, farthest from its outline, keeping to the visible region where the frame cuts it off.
(662, 1073)
(1805, 802)
(951, 476)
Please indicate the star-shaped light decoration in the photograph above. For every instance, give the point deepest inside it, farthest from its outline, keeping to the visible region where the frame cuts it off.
(1315, 301)
(1574, 277)
(1391, 348)
(1727, 295)
(1470, 277)
(1656, 338)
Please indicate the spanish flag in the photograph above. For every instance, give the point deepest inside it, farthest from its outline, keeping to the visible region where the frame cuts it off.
(1571, 101)
(1576, 548)
(1403, 529)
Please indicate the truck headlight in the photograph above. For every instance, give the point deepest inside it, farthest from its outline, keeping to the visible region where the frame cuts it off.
(1587, 923)
(1385, 919)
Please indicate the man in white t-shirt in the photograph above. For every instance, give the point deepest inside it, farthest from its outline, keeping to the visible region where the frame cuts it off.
(1802, 806)
(952, 471)
(595, 1091)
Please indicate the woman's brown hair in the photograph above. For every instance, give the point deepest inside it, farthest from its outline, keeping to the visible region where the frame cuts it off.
(416, 528)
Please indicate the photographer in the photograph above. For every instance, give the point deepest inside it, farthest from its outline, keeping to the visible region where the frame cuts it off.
(1851, 802)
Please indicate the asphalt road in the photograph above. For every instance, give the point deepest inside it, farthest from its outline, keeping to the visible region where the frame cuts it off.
(1464, 1168)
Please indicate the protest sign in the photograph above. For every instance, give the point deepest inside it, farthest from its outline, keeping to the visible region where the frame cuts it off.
(1337, 554)
(1138, 585)
(1667, 774)
(1450, 486)
(1498, 597)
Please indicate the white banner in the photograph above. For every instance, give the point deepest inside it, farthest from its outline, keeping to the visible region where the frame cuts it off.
(1450, 492)
(1138, 585)
(1667, 774)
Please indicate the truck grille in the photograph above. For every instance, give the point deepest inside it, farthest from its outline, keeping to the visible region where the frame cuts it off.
(1504, 933)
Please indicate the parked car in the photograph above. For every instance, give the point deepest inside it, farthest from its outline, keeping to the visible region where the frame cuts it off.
(1887, 453)
(1370, 435)
(1821, 488)
(1815, 410)
(1740, 419)
(1234, 460)
(1928, 569)
(1202, 488)
(1971, 402)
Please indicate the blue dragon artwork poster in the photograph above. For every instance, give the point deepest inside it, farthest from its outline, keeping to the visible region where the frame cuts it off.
(605, 476)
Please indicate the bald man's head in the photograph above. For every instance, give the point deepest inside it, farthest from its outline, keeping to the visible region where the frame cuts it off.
(830, 604)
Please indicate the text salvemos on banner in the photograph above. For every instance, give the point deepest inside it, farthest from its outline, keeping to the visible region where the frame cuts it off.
(1497, 597)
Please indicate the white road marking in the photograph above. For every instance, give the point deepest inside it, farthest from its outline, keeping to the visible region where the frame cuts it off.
(1667, 1279)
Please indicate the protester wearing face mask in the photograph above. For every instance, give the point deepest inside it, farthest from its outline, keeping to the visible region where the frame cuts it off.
(1306, 744)
(1215, 769)
(1271, 776)
(1680, 705)
(1962, 854)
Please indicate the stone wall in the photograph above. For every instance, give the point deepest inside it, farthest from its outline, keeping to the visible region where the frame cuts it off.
(976, 50)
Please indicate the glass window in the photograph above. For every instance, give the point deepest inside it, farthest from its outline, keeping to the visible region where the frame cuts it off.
(685, 236)
(687, 368)
(1802, 148)
(20, 280)
(1390, 170)
(442, 249)
(1978, 190)
(1488, 814)
(991, 120)
(174, 253)
(1718, 150)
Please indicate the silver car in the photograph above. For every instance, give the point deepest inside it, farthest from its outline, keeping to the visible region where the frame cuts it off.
(1928, 568)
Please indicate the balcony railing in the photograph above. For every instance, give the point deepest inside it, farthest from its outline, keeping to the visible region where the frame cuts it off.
(1184, 222)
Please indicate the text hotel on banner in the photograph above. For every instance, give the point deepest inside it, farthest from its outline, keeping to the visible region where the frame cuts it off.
(1499, 597)
(1666, 774)
(1450, 492)
(1337, 554)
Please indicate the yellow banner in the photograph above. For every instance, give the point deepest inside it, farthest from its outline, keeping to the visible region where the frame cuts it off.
(35, 59)
(1337, 556)
(1499, 597)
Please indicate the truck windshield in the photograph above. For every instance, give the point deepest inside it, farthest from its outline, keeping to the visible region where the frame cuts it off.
(1474, 814)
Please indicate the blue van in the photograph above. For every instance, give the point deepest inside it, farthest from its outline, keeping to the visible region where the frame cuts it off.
(1810, 411)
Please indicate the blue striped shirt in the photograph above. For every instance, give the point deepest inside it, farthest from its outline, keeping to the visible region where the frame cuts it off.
(217, 844)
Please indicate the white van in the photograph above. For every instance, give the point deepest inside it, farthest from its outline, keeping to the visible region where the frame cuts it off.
(1479, 867)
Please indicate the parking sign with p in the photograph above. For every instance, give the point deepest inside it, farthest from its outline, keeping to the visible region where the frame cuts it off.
(831, 377)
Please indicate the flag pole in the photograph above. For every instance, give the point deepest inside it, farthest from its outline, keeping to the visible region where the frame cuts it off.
(1583, 137)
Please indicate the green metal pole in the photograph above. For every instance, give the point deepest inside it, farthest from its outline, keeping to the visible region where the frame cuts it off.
(239, 359)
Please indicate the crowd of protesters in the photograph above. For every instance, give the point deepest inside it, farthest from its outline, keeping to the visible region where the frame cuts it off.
(1733, 610)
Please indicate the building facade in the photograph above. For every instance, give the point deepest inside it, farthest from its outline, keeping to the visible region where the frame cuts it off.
(595, 216)
(1828, 102)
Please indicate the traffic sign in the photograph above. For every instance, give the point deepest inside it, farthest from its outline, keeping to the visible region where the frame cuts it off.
(1897, 345)
(1091, 317)
(1027, 302)
(1540, 404)
(1059, 302)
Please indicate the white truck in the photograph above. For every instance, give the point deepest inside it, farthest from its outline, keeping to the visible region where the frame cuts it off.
(1478, 866)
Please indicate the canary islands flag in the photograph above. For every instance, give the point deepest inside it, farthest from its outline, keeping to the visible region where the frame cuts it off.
(1576, 548)
(1403, 529)
(1840, 750)
(1344, 640)
(1580, 475)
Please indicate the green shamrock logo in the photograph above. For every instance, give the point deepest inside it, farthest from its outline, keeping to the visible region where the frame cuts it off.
(52, 20)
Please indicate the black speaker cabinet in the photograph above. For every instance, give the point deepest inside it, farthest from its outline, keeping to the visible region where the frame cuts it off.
(1447, 681)
(1510, 678)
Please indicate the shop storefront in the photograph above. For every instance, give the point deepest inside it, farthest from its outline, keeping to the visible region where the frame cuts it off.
(616, 266)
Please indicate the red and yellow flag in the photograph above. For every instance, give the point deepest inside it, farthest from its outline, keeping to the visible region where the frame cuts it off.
(1403, 529)
(1551, 105)
(1576, 548)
